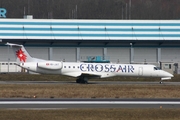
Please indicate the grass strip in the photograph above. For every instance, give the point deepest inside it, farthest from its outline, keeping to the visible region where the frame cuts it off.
(91, 114)
(37, 77)
(88, 91)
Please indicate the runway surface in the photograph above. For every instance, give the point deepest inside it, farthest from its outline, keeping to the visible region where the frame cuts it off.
(35, 103)
(90, 82)
(87, 103)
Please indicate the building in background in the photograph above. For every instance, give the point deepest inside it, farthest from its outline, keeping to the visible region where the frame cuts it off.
(117, 41)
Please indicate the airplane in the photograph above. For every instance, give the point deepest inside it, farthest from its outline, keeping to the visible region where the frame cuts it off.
(85, 71)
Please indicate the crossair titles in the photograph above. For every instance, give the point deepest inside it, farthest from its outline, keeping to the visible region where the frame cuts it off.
(106, 68)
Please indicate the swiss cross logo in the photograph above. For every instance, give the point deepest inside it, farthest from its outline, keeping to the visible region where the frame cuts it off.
(20, 54)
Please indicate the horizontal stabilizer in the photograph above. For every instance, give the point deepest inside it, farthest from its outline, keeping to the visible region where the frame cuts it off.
(12, 44)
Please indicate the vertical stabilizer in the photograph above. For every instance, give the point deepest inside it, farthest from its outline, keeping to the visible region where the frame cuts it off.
(20, 53)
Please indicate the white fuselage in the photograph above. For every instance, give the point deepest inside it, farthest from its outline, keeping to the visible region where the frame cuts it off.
(84, 71)
(103, 70)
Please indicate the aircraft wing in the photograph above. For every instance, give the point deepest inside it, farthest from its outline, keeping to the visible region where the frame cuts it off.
(89, 75)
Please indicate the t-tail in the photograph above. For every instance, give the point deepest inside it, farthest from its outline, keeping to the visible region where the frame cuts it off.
(21, 54)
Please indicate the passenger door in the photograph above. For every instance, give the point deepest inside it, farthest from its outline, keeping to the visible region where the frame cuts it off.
(140, 73)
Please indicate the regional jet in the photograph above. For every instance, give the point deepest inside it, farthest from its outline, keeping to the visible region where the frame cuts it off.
(84, 71)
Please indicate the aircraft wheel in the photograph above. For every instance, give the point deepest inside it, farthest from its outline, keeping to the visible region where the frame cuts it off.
(78, 81)
(82, 81)
(160, 82)
(85, 82)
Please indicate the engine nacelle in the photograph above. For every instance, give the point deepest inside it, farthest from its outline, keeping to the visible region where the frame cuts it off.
(51, 65)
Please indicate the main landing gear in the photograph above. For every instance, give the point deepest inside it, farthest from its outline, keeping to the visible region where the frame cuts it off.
(82, 80)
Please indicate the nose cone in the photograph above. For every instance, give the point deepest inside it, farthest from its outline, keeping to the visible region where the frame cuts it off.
(169, 74)
(166, 75)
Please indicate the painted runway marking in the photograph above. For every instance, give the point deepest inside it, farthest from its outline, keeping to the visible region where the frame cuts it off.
(89, 102)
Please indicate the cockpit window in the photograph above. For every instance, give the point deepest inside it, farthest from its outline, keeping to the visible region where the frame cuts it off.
(156, 68)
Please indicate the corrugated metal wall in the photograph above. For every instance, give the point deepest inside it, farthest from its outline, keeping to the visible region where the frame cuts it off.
(85, 52)
(89, 29)
(115, 55)
(118, 55)
(38, 52)
(145, 55)
(5, 54)
(64, 54)
(170, 55)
